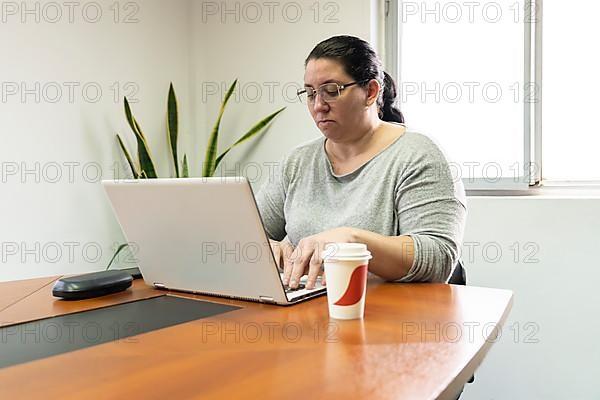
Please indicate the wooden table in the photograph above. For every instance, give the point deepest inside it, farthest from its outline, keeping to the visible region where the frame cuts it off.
(417, 341)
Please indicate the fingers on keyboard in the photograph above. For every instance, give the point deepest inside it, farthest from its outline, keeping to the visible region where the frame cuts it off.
(290, 290)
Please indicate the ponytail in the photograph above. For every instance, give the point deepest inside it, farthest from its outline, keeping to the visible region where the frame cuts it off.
(388, 111)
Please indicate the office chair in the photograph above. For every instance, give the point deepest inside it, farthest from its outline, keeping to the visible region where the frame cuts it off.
(459, 277)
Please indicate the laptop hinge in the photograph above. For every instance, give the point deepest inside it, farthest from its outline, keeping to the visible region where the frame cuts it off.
(267, 299)
(159, 286)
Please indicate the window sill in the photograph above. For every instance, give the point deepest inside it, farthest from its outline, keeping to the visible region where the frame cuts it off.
(549, 190)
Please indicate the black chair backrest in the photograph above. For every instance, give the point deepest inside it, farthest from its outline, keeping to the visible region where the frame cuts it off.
(459, 275)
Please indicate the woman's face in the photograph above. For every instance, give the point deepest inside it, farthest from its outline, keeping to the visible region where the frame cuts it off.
(336, 120)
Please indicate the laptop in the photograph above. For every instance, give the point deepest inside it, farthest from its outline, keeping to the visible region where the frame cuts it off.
(201, 235)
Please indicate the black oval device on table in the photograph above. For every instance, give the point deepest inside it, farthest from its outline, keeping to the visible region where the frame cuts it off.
(92, 285)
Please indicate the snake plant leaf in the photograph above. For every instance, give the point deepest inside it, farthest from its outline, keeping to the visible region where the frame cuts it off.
(129, 115)
(143, 175)
(144, 157)
(185, 169)
(173, 126)
(136, 175)
(211, 150)
(255, 130)
(121, 247)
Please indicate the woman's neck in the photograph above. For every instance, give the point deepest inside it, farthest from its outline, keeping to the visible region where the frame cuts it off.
(363, 142)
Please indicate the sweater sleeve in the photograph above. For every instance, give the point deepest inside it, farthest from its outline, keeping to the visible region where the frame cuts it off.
(271, 200)
(431, 209)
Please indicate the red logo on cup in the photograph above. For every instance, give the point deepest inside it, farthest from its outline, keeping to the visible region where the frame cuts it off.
(356, 286)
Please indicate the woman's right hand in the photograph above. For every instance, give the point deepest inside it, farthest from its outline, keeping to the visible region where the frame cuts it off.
(283, 251)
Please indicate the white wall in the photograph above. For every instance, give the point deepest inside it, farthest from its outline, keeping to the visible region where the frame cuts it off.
(56, 219)
(267, 54)
(556, 355)
(49, 217)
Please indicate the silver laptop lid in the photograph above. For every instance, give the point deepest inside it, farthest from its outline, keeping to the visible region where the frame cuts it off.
(200, 235)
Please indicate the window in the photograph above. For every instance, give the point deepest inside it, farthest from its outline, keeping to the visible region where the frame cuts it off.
(571, 83)
(470, 75)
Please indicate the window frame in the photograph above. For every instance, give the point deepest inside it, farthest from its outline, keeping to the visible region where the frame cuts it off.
(532, 117)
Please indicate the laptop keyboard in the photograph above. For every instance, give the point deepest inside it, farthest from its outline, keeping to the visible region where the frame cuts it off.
(291, 290)
(301, 290)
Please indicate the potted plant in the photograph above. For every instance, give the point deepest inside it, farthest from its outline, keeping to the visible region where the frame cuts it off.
(145, 168)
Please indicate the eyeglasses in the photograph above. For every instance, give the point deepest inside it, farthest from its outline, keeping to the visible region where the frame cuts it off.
(329, 92)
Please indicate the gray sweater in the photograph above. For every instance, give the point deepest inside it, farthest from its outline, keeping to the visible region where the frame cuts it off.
(407, 189)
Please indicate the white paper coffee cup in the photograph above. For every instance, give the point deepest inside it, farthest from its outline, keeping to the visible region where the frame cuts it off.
(346, 269)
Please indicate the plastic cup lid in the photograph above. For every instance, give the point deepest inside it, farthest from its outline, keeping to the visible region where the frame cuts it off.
(346, 251)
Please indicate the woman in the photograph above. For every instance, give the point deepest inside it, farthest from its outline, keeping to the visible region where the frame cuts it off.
(368, 180)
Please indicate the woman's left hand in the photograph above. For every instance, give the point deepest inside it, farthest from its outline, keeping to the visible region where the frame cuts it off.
(306, 257)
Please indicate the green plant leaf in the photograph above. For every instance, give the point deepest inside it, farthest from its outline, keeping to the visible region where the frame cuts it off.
(186, 171)
(121, 247)
(129, 115)
(173, 126)
(255, 130)
(211, 150)
(144, 157)
(128, 157)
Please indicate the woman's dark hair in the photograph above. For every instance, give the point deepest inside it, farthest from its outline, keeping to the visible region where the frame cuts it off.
(361, 62)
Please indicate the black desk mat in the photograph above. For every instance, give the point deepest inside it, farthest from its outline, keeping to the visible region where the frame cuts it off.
(48, 337)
